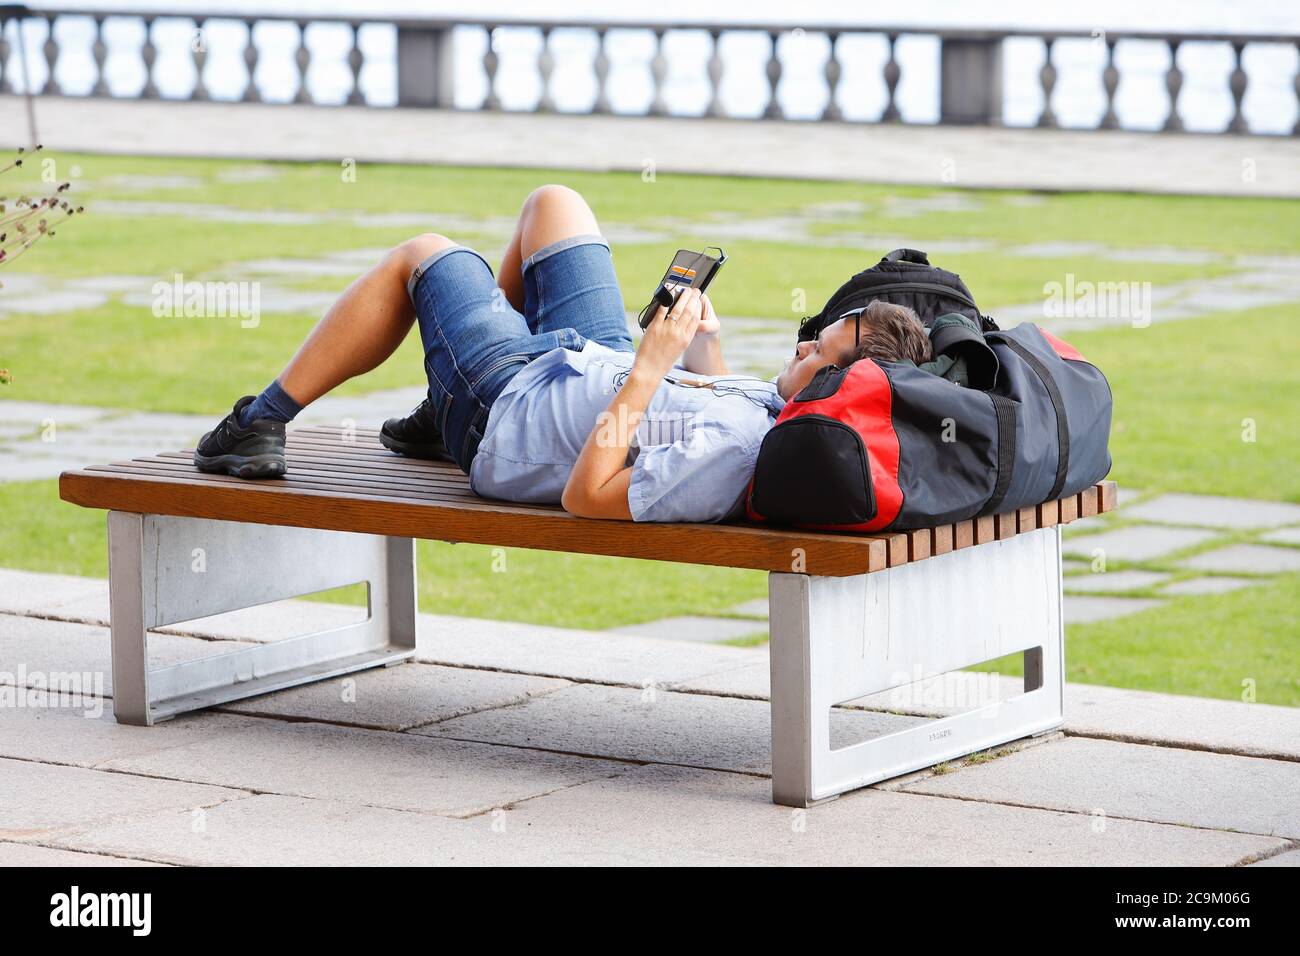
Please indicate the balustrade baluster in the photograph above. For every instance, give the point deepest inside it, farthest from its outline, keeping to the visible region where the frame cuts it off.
(251, 93)
(773, 110)
(545, 67)
(1110, 80)
(892, 72)
(148, 54)
(302, 57)
(99, 51)
(716, 67)
(659, 72)
(5, 85)
(490, 63)
(1173, 83)
(199, 48)
(1047, 77)
(51, 50)
(832, 71)
(1296, 83)
(1237, 83)
(601, 68)
(355, 61)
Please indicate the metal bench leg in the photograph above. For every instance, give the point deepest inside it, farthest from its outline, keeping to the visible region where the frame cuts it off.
(837, 639)
(165, 570)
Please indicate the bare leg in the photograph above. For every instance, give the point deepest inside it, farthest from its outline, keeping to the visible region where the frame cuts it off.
(549, 214)
(364, 327)
(373, 315)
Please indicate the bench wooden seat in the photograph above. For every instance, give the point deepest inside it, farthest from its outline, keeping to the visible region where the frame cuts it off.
(850, 614)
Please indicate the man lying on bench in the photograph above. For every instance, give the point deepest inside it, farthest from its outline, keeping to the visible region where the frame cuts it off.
(536, 389)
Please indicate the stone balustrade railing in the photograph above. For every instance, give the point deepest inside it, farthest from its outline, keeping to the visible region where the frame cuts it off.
(969, 82)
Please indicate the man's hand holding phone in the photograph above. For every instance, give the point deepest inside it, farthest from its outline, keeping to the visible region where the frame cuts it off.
(669, 334)
(710, 324)
(704, 355)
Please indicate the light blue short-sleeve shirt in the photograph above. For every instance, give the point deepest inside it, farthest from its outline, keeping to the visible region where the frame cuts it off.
(694, 451)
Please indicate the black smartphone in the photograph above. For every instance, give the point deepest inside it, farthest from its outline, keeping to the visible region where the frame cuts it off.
(688, 270)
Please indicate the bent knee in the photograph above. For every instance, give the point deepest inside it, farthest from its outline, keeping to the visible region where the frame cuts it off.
(415, 250)
(553, 194)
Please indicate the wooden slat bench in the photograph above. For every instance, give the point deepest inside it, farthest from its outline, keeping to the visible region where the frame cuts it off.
(851, 615)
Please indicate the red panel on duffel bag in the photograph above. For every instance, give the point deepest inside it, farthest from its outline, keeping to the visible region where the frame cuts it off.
(861, 404)
(1063, 348)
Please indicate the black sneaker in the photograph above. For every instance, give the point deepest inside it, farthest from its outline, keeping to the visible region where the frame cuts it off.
(253, 452)
(416, 435)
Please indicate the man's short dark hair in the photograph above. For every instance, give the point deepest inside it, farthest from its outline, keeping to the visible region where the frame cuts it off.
(890, 333)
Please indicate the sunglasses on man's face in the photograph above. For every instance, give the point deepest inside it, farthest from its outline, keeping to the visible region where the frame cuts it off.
(857, 323)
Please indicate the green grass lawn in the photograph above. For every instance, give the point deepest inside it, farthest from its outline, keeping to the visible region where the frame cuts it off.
(1182, 389)
(1118, 219)
(1214, 645)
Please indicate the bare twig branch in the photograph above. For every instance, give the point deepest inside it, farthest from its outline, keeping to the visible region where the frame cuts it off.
(24, 221)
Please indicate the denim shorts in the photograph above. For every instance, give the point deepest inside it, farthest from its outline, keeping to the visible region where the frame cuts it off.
(475, 342)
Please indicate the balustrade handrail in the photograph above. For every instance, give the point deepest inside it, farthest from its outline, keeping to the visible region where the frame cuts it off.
(723, 25)
(970, 63)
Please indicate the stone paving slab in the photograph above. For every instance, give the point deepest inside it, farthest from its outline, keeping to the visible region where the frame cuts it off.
(1085, 609)
(397, 698)
(660, 726)
(934, 697)
(753, 680)
(1095, 524)
(42, 801)
(1291, 858)
(1214, 585)
(706, 630)
(1283, 536)
(1160, 784)
(755, 608)
(35, 466)
(375, 768)
(1136, 543)
(1247, 558)
(1112, 581)
(22, 854)
(41, 731)
(272, 830)
(267, 622)
(997, 158)
(1215, 512)
(27, 592)
(42, 647)
(35, 413)
(680, 810)
(1173, 720)
(594, 656)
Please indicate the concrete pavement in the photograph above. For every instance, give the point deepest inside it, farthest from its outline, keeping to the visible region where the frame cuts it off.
(509, 743)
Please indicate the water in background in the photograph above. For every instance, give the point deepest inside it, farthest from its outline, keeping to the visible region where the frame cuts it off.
(1079, 100)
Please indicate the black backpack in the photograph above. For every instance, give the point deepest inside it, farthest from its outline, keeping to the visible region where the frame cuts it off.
(902, 277)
